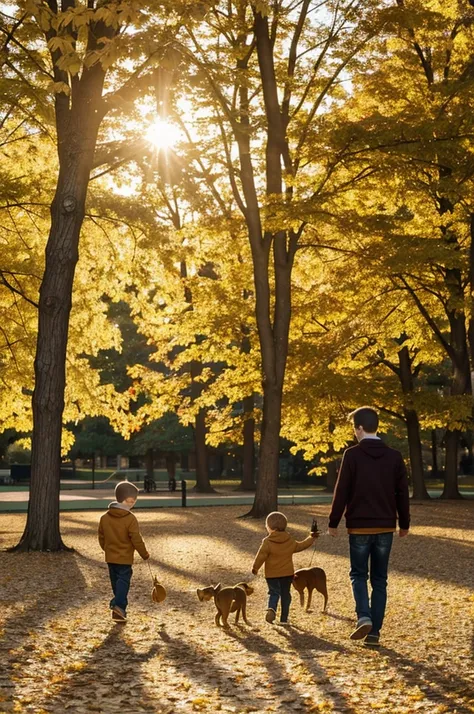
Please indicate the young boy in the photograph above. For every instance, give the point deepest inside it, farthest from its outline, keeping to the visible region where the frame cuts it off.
(119, 537)
(276, 552)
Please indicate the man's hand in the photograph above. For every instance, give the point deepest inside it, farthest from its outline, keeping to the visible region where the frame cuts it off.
(332, 532)
(403, 532)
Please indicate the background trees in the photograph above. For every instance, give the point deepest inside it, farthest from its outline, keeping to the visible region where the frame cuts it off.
(304, 246)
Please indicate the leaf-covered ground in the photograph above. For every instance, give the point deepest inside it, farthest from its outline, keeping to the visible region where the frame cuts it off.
(60, 651)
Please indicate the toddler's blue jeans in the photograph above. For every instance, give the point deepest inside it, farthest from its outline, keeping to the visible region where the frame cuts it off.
(280, 588)
(120, 577)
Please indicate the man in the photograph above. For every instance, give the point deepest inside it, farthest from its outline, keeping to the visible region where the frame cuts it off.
(371, 489)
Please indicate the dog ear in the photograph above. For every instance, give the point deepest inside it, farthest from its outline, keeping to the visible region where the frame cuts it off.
(200, 594)
(217, 588)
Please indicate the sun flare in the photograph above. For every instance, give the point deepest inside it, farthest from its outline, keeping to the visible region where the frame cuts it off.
(161, 134)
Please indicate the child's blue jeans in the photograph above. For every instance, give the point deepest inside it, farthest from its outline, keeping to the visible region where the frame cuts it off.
(280, 588)
(120, 577)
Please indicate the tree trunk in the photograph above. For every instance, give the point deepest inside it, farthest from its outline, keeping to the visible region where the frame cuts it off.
(203, 483)
(170, 459)
(273, 323)
(416, 458)
(248, 467)
(434, 454)
(266, 496)
(77, 124)
(413, 425)
(149, 463)
(451, 489)
(332, 470)
(471, 285)
(67, 211)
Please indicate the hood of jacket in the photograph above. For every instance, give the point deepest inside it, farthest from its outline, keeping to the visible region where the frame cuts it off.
(118, 510)
(279, 537)
(374, 448)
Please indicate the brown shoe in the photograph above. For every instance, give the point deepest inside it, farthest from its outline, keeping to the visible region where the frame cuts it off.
(118, 614)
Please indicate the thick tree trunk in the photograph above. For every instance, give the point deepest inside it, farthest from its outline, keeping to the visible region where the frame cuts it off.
(451, 489)
(67, 211)
(266, 496)
(78, 119)
(413, 425)
(273, 323)
(203, 483)
(460, 385)
(471, 285)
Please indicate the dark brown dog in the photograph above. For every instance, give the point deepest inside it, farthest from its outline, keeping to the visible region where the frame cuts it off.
(227, 600)
(312, 579)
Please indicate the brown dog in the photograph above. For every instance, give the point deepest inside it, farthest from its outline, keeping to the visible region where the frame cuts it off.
(312, 579)
(227, 600)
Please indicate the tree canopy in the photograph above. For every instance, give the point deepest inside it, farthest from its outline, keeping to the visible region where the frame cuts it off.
(281, 193)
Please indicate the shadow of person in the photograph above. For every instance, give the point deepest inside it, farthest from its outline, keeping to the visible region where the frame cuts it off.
(41, 587)
(199, 666)
(341, 618)
(298, 642)
(301, 640)
(443, 688)
(111, 676)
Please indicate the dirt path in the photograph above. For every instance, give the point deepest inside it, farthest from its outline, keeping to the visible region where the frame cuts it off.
(60, 652)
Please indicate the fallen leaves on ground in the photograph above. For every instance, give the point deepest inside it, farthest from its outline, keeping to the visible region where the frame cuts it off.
(61, 652)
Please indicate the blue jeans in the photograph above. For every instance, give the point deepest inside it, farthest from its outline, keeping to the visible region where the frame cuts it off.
(376, 547)
(120, 576)
(280, 588)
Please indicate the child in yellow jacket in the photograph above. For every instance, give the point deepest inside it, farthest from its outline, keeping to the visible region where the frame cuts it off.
(119, 538)
(276, 552)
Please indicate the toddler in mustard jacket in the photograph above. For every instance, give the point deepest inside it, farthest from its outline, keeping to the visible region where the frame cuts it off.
(119, 537)
(276, 552)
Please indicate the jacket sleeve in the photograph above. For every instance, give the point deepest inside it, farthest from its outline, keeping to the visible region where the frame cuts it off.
(402, 496)
(341, 492)
(303, 544)
(101, 535)
(137, 540)
(261, 556)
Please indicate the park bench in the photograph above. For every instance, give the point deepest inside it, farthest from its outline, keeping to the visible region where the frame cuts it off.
(150, 485)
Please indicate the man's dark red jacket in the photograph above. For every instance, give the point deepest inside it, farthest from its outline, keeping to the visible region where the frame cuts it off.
(371, 488)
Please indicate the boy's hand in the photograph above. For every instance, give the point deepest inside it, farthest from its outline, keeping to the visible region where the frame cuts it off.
(403, 532)
(332, 532)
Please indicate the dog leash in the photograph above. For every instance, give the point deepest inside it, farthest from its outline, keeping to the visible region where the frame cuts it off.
(151, 573)
(312, 555)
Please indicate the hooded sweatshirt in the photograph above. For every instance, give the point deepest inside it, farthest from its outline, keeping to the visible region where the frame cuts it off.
(119, 535)
(371, 488)
(277, 551)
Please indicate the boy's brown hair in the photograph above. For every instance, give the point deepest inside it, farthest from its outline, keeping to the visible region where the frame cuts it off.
(124, 490)
(367, 418)
(276, 521)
